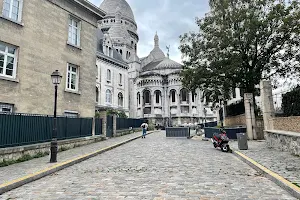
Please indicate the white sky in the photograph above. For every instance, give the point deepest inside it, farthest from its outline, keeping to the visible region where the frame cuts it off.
(170, 18)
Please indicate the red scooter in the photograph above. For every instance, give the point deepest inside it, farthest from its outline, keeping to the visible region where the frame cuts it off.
(221, 140)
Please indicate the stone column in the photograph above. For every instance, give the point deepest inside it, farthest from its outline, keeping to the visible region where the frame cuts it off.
(267, 104)
(178, 108)
(103, 116)
(167, 104)
(190, 113)
(250, 116)
(114, 125)
(224, 113)
(152, 101)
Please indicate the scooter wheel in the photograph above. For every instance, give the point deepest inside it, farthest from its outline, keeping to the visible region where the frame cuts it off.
(225, 148)
(215, 145)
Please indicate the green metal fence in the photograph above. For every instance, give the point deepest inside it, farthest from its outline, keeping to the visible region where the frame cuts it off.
(20, 129)
(125, 123)
(98, 126)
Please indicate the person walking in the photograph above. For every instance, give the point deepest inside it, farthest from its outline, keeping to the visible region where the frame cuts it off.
(144, 127)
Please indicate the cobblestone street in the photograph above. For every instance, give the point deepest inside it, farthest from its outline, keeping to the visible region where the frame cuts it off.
(155, 168)
(283, 163)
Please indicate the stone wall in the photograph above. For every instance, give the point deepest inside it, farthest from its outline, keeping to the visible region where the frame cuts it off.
(235, 120)
(283, 141)
(286, 123)
(126, 132)
(14, 153)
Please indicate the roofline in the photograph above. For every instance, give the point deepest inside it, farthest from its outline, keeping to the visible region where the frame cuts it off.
(101, 55)
(91, 7)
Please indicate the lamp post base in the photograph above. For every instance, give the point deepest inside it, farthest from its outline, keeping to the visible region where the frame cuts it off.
(53, 151)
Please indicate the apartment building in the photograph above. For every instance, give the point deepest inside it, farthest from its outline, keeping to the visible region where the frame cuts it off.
(38, 37)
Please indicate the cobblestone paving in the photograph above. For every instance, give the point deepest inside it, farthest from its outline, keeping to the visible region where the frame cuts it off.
(19, 170)
(282, 163)
(155, 168)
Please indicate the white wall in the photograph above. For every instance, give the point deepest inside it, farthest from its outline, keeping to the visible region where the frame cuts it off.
(112, 85)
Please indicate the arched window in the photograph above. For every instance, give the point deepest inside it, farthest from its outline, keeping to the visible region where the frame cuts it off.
(108, 96)
(120, 99)
(157, 96)
(97, 95)
(184, 95)
(147, 99)
(121, 52)
(108, 75)
(139, 98)
(173, 96)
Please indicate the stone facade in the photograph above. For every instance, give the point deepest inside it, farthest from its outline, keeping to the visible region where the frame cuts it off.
(41, 40)
(117, 85)
(283, 141)
(286, 123)
(156, 74)
(235, 120)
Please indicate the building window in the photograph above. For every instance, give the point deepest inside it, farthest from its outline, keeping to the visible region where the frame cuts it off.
(73, 77)
(8, 60)
(71, 114)
(157, 96)
(97, 95)
(108, 75)
(147, 97)
(6, 108)
(13, 9)
(108, 96)
(120, 99)
(121, 52)
(139, 98)
(184, 95)
(74, 31)
(173, 96)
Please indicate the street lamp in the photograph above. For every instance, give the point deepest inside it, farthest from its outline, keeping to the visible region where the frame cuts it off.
(56, 78)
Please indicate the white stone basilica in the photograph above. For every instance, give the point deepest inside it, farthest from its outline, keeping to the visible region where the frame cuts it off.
(149, 87)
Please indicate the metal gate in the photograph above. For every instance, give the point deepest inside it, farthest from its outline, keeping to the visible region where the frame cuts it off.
(178, 132)
(109, 126)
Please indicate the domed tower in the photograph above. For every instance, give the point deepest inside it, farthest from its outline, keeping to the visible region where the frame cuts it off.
(120, 24)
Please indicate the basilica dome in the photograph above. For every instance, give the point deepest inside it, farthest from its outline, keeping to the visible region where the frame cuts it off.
(109, 6)
(167, 64)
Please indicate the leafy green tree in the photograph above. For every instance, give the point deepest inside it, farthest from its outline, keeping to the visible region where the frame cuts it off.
(120, 114)
(239, 43)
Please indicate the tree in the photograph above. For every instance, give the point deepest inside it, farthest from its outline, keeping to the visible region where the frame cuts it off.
(239, 43)
(109, 112)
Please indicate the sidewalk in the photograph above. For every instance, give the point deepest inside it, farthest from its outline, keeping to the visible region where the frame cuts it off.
(19, 170)
(282, 163)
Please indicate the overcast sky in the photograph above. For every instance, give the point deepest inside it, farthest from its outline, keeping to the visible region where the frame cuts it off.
(170, 18)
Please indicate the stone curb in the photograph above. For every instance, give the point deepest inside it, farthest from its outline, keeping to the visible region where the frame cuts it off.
(280, 181)
(5, 187)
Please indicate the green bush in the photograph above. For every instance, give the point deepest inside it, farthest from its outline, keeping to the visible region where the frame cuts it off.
(290, 102)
